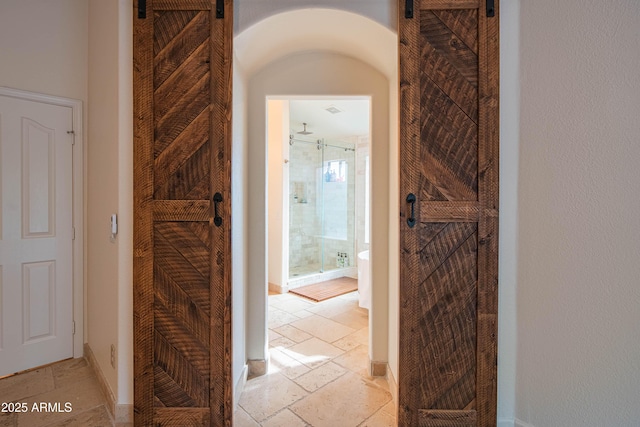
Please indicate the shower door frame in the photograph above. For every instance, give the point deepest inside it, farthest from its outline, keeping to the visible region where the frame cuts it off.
(320, 196)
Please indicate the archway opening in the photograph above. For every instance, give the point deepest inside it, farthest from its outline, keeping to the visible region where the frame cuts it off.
(296, 56)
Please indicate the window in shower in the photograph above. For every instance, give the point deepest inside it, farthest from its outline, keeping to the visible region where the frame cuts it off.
(335, 192)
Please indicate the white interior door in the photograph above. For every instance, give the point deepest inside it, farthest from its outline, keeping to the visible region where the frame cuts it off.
(36, 233)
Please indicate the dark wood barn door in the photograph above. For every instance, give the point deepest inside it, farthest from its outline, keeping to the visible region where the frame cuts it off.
(449, 213)
(182, 112)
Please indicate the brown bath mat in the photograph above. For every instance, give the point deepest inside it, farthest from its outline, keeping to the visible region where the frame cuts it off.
(325, 290)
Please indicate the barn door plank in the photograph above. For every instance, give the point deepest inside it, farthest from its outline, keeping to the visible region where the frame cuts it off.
(182, 104)
(449, 254)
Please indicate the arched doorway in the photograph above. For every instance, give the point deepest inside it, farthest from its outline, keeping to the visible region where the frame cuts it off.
(294, 57)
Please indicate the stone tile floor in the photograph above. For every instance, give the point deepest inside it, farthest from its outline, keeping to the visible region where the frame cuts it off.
(71, 381)
(318, 374)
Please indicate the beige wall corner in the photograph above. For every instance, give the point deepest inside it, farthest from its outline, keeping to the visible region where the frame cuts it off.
(121, 413)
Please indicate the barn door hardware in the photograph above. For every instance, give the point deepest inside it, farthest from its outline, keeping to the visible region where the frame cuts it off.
(142, 9)
(220, 9)
(217, 220)
(411, 221)
(491, 9)
(408, 9)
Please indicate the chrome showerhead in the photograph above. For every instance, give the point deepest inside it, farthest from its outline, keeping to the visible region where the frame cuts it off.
(304, 132)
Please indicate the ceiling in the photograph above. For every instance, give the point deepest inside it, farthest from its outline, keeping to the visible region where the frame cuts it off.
(317, 29)
(352, 120)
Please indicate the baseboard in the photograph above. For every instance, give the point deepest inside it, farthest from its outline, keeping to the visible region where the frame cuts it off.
(240, 386)
(123, 414)
(377, 369)
(505, 422)
(278, 289)
(104, 385)
(518, 423)
(257, 367)
(393, 387)
(119, 412)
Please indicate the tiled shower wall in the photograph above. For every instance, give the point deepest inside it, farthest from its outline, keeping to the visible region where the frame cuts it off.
(304, 222)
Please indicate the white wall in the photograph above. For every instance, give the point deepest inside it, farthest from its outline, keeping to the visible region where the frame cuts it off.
(579, 234)
(394, 229)
(278, 125)
(249, 12)
(239, 223)
(110, 189)
(43, 46)
(102, 198)
(508, 232)
(125, 204)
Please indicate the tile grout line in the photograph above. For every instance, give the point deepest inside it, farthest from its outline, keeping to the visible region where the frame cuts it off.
(366, 379)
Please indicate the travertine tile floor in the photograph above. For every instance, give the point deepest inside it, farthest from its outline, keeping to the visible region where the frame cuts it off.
(318, 373)
(71, 381)
(318, 376)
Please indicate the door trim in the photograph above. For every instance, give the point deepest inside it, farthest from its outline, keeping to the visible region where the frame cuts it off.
(78, 202)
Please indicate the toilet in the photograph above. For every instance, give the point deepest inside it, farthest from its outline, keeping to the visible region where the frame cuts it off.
(364, 284)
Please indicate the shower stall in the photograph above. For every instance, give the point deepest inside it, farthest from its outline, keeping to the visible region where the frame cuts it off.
(322, 212)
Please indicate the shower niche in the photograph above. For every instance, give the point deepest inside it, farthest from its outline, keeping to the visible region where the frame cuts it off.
(322, 210)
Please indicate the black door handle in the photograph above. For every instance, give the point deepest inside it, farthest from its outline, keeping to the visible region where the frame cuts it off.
(217, 219)
(411, 221)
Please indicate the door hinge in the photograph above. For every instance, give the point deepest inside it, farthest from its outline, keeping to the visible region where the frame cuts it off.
(73, 327)
(220, 9)
(408, 9)
(491, 9)
(73, 233)
(142, 9)
(73, 136)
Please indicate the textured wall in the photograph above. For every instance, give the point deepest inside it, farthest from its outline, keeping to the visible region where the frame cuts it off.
(508, 235)
(102, 198)
(240, 224)
(110, 190)
(248, 12)
(305, 210)
(579, 234)
(43, 46)
(277, 133)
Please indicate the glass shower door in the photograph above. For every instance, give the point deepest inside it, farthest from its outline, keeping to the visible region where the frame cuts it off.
(338, 205)
(321, 207)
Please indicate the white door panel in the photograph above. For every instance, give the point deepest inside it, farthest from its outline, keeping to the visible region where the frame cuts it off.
(36, 231)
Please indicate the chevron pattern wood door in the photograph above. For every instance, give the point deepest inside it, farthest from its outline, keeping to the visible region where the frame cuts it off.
(182, 105)
(449, 259)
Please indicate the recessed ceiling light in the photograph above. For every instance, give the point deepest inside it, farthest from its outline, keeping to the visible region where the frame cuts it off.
(333, 109)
